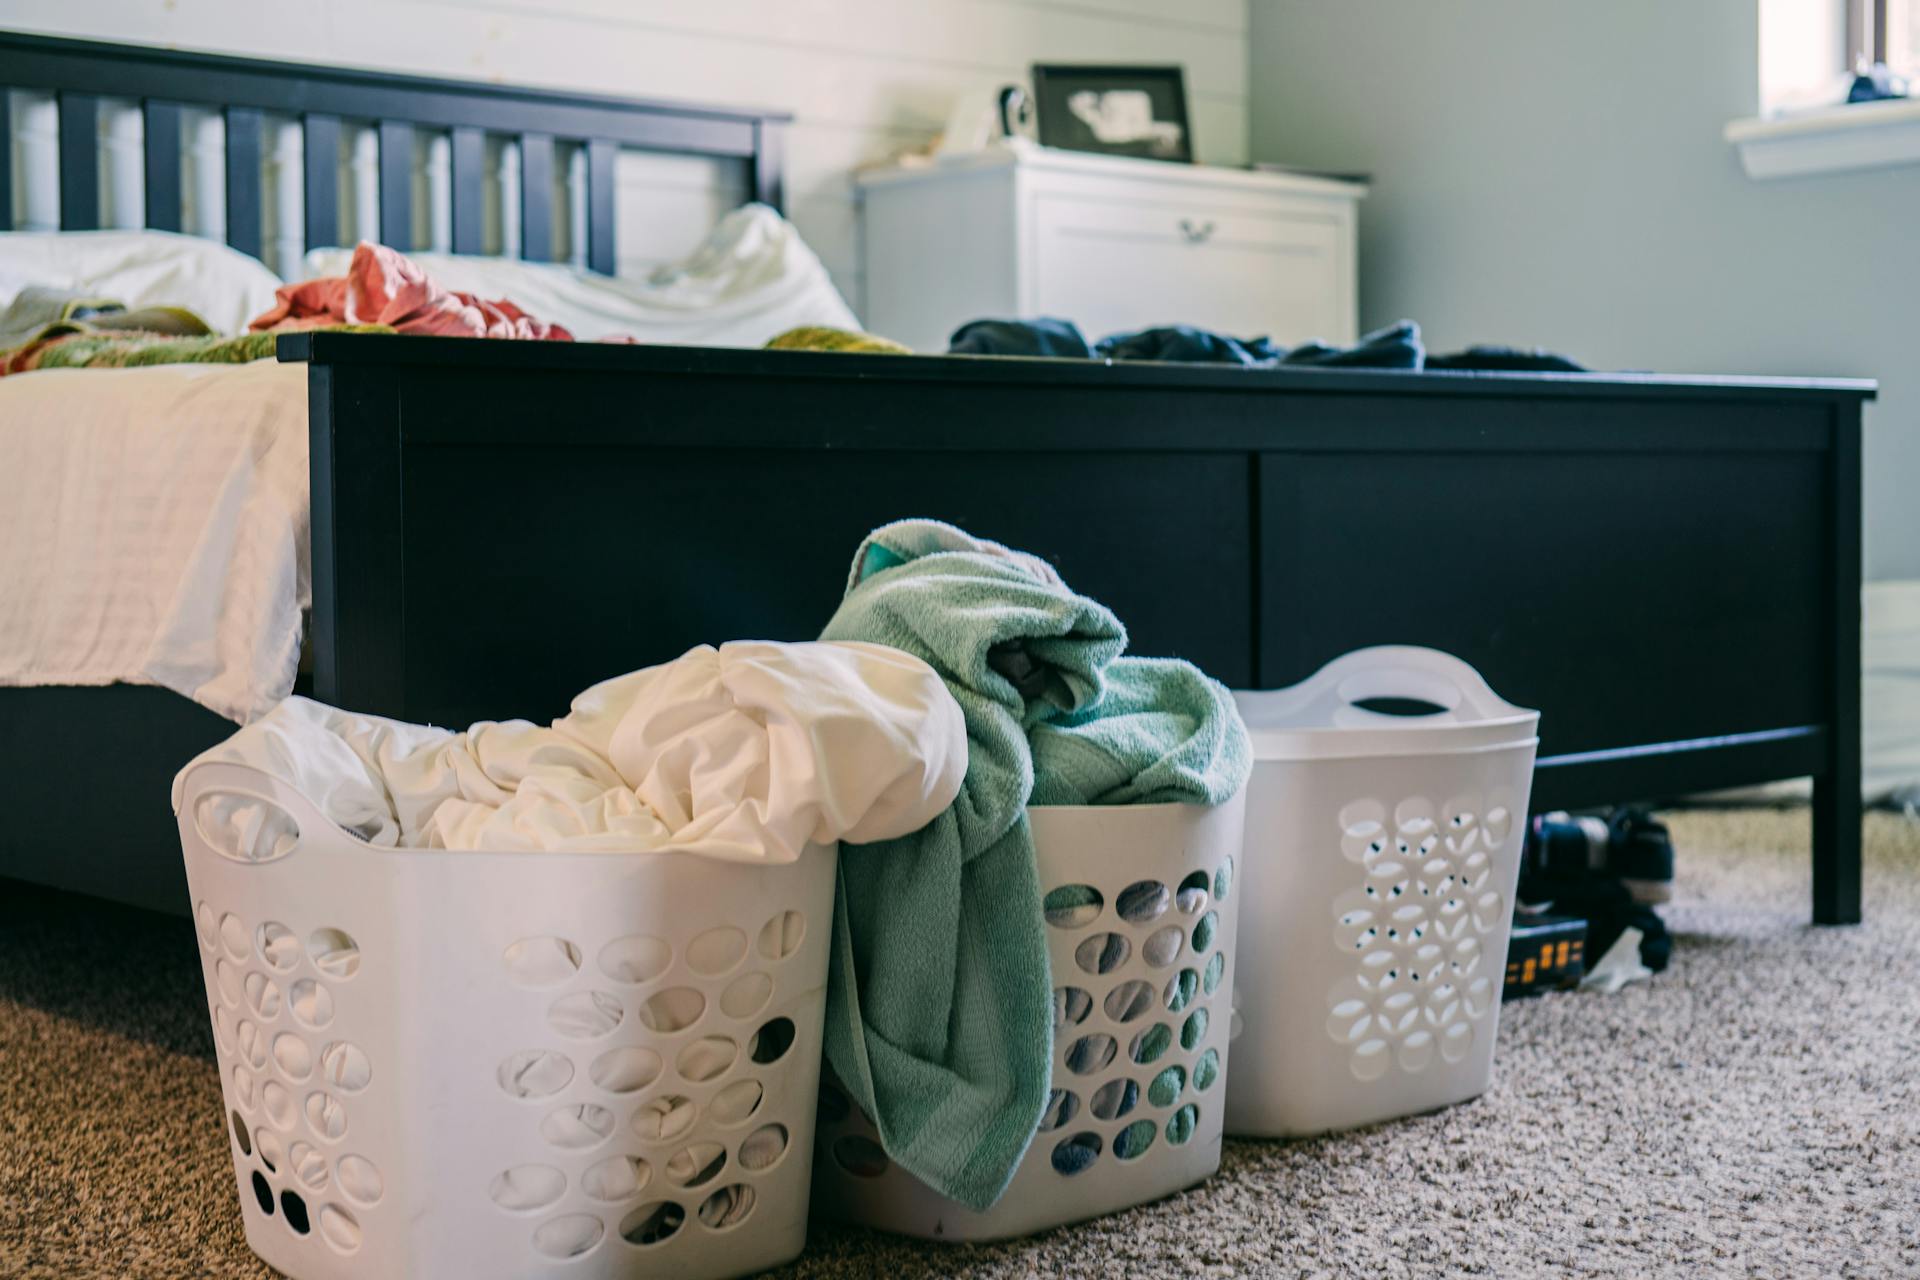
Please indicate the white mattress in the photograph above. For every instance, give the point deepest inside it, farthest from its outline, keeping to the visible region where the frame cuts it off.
(154, 530)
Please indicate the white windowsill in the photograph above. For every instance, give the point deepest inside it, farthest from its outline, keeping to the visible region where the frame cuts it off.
(1857, 135)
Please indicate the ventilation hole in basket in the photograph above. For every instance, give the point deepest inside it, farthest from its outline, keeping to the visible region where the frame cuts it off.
(1132, 1142)
(294, 1210)
(1114, 1099)
(832, 1106)
(1167, 1086)
(665, 1118)
(1152, 1044)
(1130, 1000)
(528, 1187)
(541, 962)
(279, 1104)
(1062, 1106)
(1191, 897)
(616, 1178)
(716, 951)
(636, 958)
(263, 997)
(780, 937)
(1370, 1059)
(334, 952)
(229, 980)
(860, 1156)
(706, 1059)
(1194, 1030)
(771, 1041)
(1071, 1006)
(1076, 1154)
(728, 1207)
(360, 1181)
(344, 1065)
(223, 1028)
(279, 945)
(736, 1103)
(272, 1152)
(243, 1085)
(534, 1073)
(652, 1223)
(747, 995)
(675, 1009)
(1206, 1070)
(1101, 952)
(1181, 1124)
(233, 936)
(1163, 948)
(1223, 880)
(624, 1070)
(763, 1148)
(697, 1165)
(252, 1042)
(578, 1127)
(339, 1229)
(309, 1166)
(585, 1015)
(312, 1003)
(293, 1056)
(1216, 968)
(1204, 929)
(571, 1235)
(326, 1116)
(262, 1193)
(1143, 901)
(240, 1134)
(1072, 906)
(208, 927)
(1091, 1053)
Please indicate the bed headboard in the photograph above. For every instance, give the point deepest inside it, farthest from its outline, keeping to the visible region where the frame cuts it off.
(314, 107)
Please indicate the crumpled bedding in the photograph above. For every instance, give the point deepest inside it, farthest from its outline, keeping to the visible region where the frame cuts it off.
(383, 286)
(745, 753)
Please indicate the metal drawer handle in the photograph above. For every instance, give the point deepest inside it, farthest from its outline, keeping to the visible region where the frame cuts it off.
(1197, 232)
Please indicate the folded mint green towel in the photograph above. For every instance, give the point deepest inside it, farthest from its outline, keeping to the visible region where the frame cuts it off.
(939, 1003)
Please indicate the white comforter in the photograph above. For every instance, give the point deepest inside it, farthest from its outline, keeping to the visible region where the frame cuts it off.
(153, 530)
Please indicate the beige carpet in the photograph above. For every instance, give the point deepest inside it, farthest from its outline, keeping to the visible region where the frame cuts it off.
(1753, 1112)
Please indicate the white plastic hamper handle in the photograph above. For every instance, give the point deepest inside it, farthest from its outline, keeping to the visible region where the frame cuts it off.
(1402, 671)
(212, 778)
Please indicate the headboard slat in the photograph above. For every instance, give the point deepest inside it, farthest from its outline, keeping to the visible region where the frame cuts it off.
(396, 184)
(79, 162)
(469, 162)
(160, 146)
(320, 178)
(6, 170)
(600, 205)
(536, 197)
(244, 129)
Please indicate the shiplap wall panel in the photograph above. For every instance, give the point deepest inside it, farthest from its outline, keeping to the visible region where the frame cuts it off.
(865, 79)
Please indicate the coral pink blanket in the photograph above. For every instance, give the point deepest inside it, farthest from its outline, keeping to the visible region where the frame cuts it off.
(383, 286)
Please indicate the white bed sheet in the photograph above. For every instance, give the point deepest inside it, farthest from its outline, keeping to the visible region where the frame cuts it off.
(154, 530)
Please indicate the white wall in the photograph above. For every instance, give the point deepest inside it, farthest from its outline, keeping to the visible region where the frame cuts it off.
(1550, 172)
(865, 79)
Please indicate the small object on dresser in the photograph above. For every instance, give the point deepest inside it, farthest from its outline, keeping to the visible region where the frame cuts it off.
(1544, 953)
(1118, 111)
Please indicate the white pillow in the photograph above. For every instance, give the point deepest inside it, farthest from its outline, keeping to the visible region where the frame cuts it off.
(223, 286)
(753, 279)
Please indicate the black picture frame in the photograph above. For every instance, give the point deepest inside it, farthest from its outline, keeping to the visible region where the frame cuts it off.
(1169, 132)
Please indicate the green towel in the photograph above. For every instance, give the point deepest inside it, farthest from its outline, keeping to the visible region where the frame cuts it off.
(939, 1003)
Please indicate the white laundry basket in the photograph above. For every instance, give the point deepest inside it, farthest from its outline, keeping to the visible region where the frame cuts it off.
(1381, 856)
(1142, 907)
(505, 1064)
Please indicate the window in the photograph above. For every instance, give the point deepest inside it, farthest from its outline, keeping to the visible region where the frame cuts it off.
(1809, 48)
(1884, 31)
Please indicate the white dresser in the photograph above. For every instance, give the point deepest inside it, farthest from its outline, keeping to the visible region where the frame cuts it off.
(1112, 244)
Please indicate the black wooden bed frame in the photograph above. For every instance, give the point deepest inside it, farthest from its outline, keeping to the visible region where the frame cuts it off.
(1668, 567)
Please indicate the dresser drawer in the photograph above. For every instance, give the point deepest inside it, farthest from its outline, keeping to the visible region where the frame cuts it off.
(1117, 264)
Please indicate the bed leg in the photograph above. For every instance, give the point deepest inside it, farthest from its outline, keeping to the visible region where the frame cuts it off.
(1836, 845)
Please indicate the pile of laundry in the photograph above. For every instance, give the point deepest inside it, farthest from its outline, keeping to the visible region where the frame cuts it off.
(958, 683)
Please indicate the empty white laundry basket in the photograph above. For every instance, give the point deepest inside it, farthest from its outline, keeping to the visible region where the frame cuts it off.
(1381, 855)
(486, 1064)
(1141, 904)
